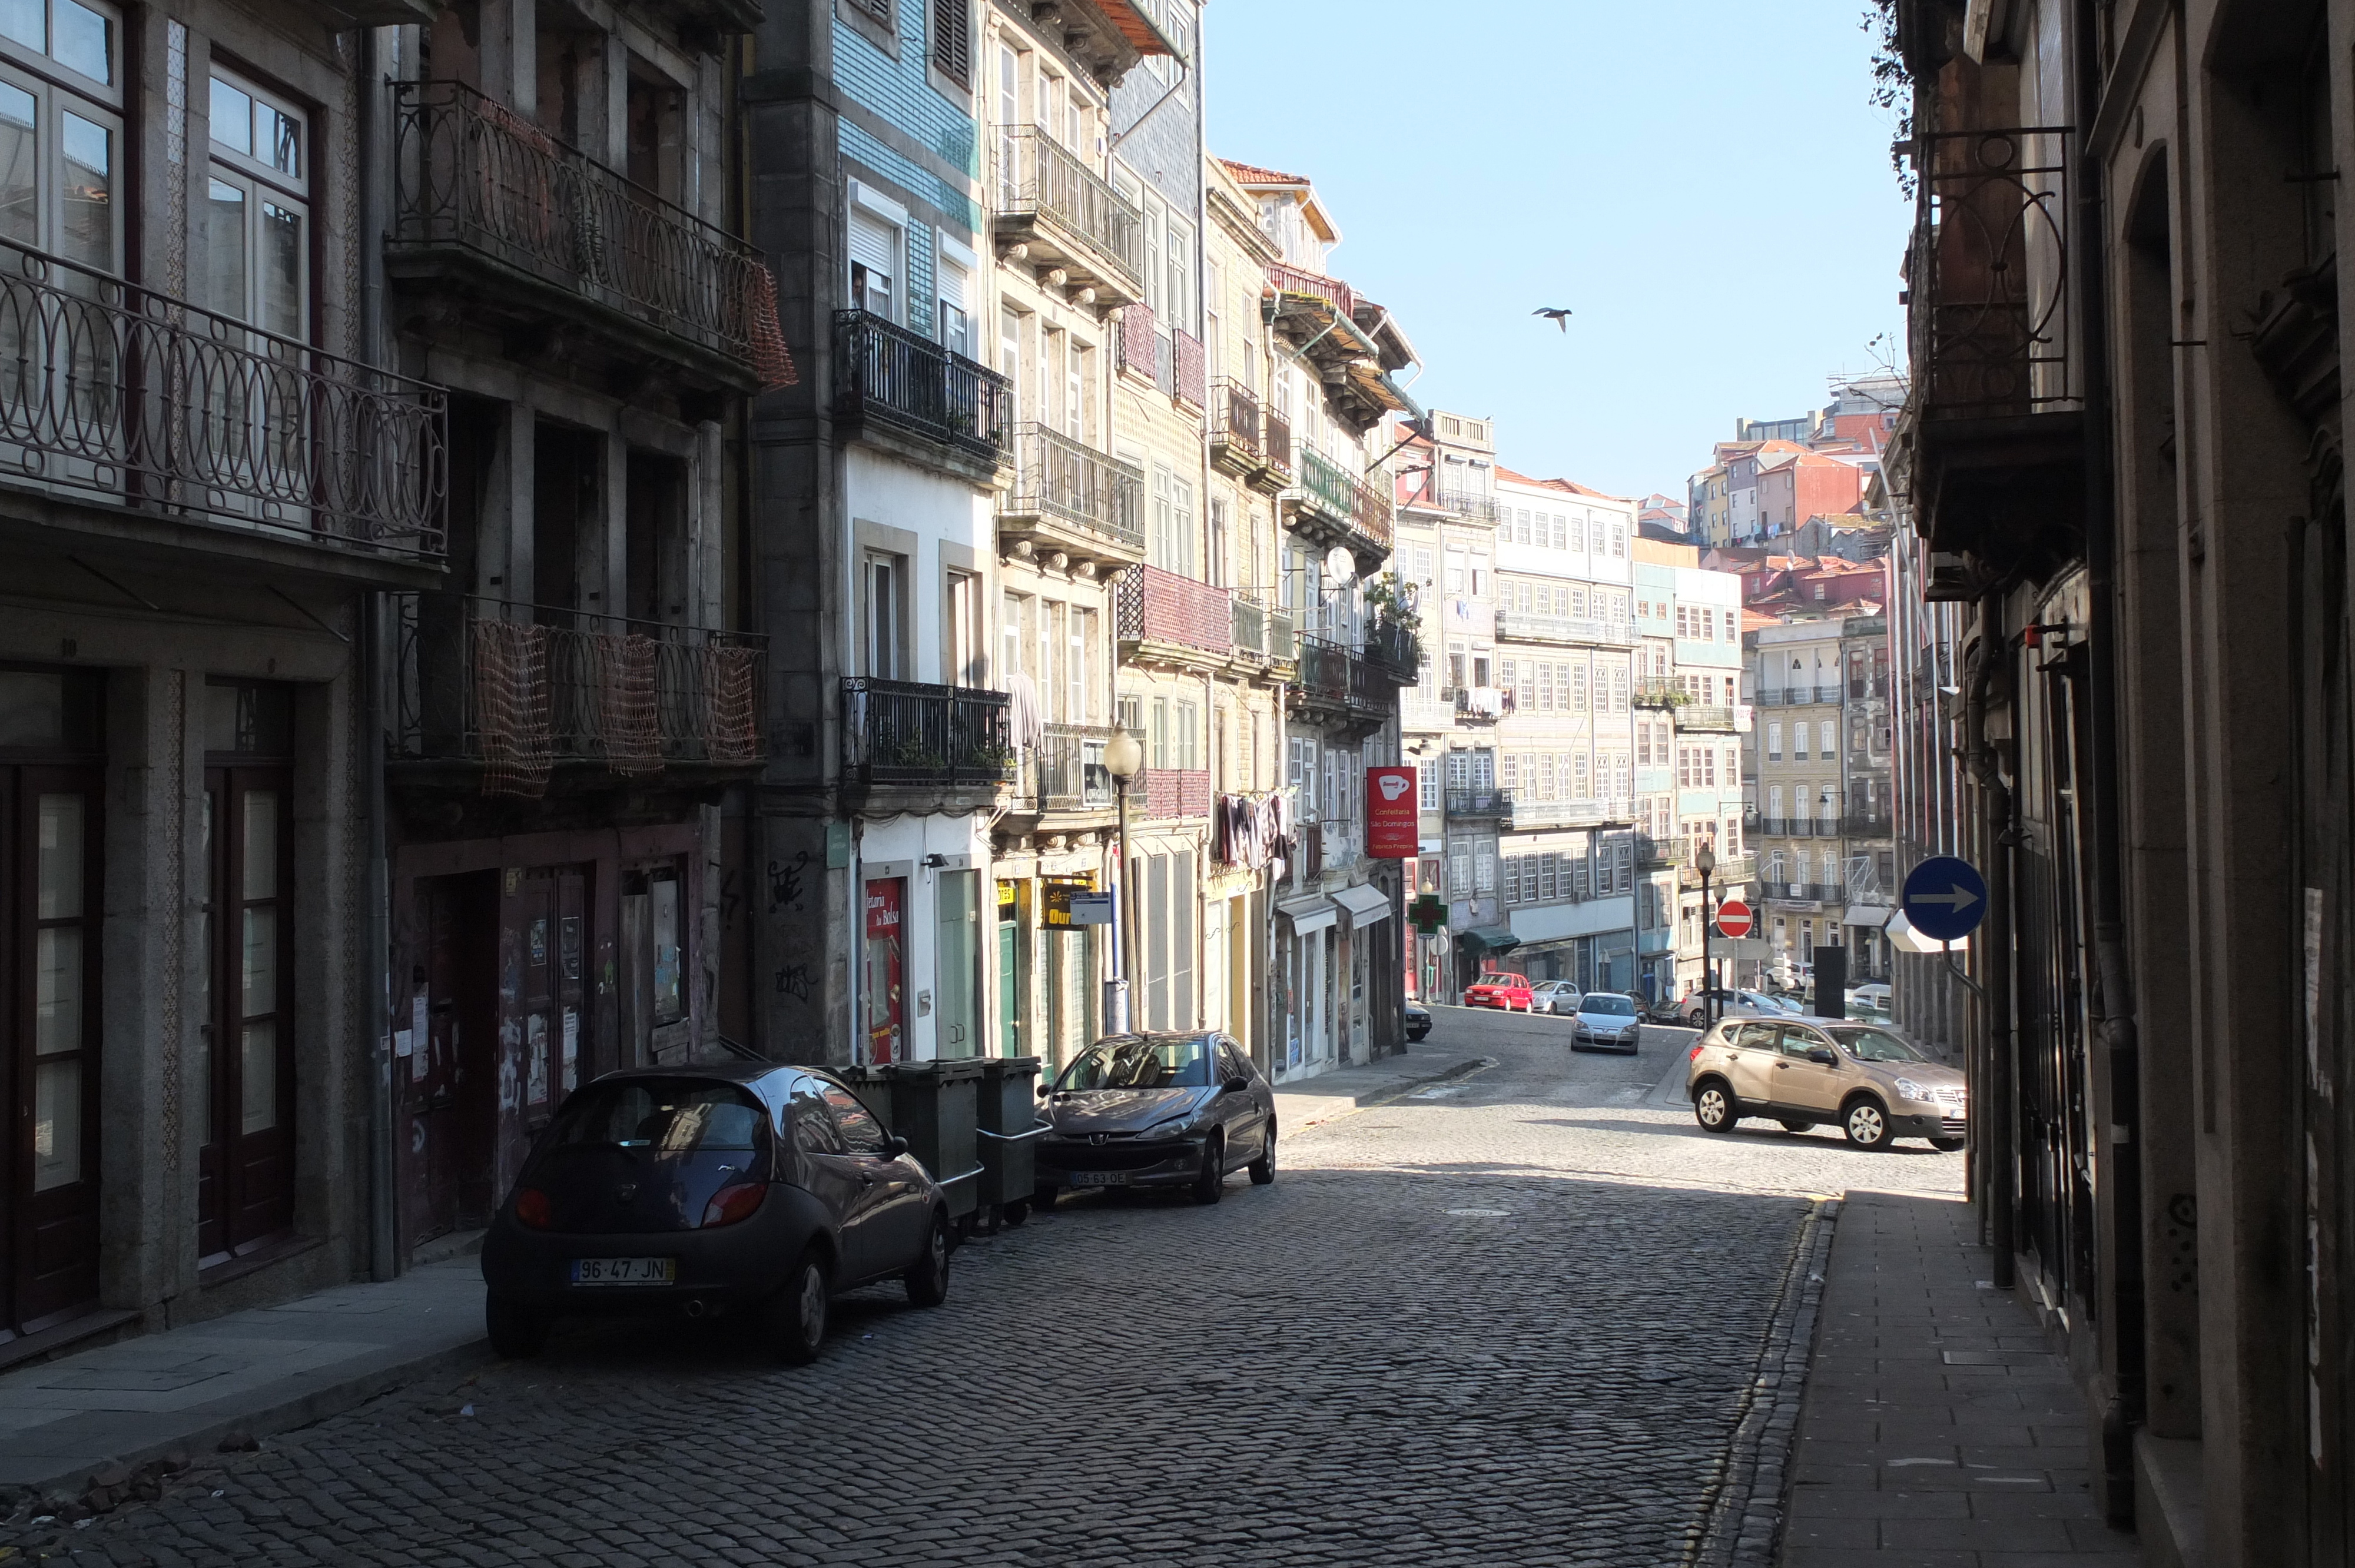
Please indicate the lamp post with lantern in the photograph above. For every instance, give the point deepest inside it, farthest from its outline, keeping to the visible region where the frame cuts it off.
(1123, 758)
(1705, 862)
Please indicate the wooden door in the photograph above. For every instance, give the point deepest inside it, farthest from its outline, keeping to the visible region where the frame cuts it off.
(245, 1186)
(49, 908)
(447, 1084)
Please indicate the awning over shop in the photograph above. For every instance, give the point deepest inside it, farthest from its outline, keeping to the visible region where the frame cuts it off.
(1308, 914)
(1872, 916)
(1495, 938)
(1365, 904)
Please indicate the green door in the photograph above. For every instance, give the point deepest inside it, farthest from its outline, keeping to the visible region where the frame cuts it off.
(1009, 987)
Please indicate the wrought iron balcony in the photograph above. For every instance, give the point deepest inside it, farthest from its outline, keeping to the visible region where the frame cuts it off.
(482, 191)
(1065, 771)
(1067, 496)
(1656, 853)
(1263, 632)
(1865, 824)
(1799, 696)
(518, 688)
(113, 392)
(1477, 505)
(1331, 502)
(906, 732)
(1479, 801)
(1163, 618)
(890, 376)
(1239, 435)
(1805, 893)
(1071, 219)
(1514, 626)
(1338, 683)
(1281, 467)
(1712, 718)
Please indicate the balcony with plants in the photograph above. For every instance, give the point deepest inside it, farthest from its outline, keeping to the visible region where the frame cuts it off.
(909, 745)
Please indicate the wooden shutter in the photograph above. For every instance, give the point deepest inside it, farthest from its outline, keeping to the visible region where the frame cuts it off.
(953, 41)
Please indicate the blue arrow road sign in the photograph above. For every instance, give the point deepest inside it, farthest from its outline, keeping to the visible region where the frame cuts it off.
(1945, 898)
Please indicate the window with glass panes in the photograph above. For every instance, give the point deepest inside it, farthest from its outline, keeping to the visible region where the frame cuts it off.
(61, 131)
(253, 244)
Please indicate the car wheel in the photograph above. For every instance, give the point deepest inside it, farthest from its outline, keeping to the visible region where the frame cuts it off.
(928, 1282)
(795, 1317)
(1714, 1105)
(1945, 1145)
(518, 1332)
(1791, 1126)
(1212, 1183)
(1867, 1124)
(1043, 1198)
(1263, 1170)
(1015, 1213)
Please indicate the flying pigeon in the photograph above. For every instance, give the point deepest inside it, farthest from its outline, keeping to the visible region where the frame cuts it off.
(1559, 318)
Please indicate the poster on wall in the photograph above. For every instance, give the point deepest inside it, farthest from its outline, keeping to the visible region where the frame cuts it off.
(1393, 814)
(884, 977)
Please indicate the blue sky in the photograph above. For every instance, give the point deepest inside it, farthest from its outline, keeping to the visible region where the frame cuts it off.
(1704, 182)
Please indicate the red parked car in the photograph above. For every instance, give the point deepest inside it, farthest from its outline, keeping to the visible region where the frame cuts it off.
(1510, 992)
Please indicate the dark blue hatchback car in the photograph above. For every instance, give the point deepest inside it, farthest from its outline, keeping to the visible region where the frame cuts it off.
(697, 1192)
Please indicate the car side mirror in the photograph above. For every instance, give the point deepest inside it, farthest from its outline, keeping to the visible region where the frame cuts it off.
(1235, 1085)
(1823, 1057)
(894, 1146)
(1046, 1090)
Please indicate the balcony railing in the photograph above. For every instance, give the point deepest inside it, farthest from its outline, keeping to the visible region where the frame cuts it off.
(1710, 717)
(1797, 696)
(1315, 285)
(1799, 827)
(1074, 483)
(1807, 891)
(1335, 675)
(1482, 704)
(113, 392)
(1396, 650)
(1038, 178)
(904, 732)
(1989, 308)
(1263, 632)
(1279, 445)
(1374, 512)
(1478, 802)
(1865, 824)
(1236, 424)
(1150, 604)
(1066, 771)
(892, 374)
(1516, 625)
(519, 687)
(1173, 792)
(1330, 486)
(1475, 504)
(1578, 813)
(475, 175)
(1652, 851)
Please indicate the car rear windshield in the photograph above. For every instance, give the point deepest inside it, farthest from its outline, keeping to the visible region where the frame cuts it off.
(1502, 979)
(1166, 1063)
(668, 1115)
(1614, 1006)
(1876, 1045)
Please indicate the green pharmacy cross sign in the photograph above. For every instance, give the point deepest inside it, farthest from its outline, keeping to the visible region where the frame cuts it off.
(1427, 913)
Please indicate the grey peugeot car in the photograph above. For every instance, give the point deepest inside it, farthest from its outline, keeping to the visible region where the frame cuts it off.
(1868, 1079)
(1180, 1109)
(1606, 1020)
(701, 1192)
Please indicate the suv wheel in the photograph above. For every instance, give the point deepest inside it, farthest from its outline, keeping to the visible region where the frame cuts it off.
(1866, 1124)
(1714, 1105)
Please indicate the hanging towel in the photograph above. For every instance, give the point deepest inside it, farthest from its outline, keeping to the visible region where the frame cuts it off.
(1025, 723)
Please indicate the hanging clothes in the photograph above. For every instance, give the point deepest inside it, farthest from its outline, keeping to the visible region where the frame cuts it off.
(1025, 720)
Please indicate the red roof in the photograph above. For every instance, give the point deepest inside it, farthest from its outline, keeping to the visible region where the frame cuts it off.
(1252, 175)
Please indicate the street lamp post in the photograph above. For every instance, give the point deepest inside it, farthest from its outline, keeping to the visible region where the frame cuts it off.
(1705, 862)
(1123, 759)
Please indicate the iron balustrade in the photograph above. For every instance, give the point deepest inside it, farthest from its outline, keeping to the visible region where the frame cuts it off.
(1650, 851)
(889, 374)
(1710, 717)
(473, 175)
(1068, 771)
(1037, 176)
(1071, 481)
(112, 392)
(1315, 285)
(1396, 650)
(1520, 626)
(1865, 824)
(1374, 511)
(1235, 420)
(1990, 295)
(1263, 631)
(1478, 801)
(1150, 604)
(908, 732)
(1321, 479)
(1478, 504)
(1807, 891)
(1279, 444)
(481, 679)
(1328, 670)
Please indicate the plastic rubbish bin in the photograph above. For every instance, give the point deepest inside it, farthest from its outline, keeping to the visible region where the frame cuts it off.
(932, 1106)
(1008, 1130)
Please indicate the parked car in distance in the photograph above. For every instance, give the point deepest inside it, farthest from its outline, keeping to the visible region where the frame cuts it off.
(1606, 1020)
(1418, 1020)
(1509, 992)
(697, 1192)
(1177, 1109)
(1555, 996)
(1869, 1080)
(1873, 999)
(1730, 1004)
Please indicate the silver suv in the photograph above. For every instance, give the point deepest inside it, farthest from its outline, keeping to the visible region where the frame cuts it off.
(1868, 1078)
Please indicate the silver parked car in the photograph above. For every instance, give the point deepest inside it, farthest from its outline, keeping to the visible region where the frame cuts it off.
(1865, 1077)
(1555, 996)
(1606, 1020)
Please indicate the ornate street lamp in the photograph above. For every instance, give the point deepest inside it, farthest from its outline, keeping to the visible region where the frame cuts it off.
(1705, 862)
(1123, 759)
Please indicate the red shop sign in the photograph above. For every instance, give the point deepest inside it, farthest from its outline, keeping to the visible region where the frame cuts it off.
(1393, 816)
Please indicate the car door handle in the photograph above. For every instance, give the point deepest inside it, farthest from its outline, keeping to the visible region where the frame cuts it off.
(865, 1179)
(1781, 1065)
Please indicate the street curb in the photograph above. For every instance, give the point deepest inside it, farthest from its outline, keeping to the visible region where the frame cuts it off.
(304, 1410)
(1742, 1526)
(1446, 1075)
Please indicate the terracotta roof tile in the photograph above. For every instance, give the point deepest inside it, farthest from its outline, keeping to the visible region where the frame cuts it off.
(1252, 175)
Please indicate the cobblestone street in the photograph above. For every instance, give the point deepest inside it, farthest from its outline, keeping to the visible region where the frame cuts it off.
(1514, 1318)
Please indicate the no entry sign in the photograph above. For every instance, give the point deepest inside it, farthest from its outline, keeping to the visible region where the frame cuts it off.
(1733, 918)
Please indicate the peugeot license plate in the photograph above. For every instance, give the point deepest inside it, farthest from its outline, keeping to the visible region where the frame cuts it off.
(1099, 1178)
(625, 1270)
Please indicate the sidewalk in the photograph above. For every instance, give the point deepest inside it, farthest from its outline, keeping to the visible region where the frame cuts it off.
(252, 1373)
(1345, 1089)
(1939, 1430)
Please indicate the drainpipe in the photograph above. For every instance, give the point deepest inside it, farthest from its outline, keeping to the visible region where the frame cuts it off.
(2121, 1163)
(375, 978)
(1993, 1085)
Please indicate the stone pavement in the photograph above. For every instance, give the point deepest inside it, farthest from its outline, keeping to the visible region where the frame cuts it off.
(253, 1372)
(1304, 1102)
(1939, 1430)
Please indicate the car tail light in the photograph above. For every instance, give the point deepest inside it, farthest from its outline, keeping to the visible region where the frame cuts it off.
(532, 1208)
(1694, 1052)
(735, 1203)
